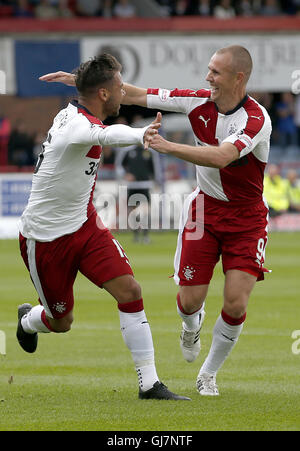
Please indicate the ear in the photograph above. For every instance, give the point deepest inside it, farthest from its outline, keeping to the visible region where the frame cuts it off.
(240, 76)
(103, 94)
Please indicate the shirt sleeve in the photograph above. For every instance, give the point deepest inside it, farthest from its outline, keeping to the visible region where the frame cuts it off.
(257, 129)
(119, 135)
(86, 133)
(177, 100)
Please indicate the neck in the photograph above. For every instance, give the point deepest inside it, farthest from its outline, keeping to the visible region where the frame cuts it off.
(94, 107)
(225, 105)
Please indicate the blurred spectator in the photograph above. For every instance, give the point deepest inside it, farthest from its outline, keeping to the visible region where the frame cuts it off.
(286, 121)
(20, 147)
(224, 10)
(64, 10)
(270, 8)
(46, 10)
(179, 8)
(23, 8)
(139, 167)
(5, 129)
(199, 7)
(106, 10)
(108, 155)
(297, 116)
(107, 163)
(245, 8)
(275, 191)
(123, 9)
(293, 190)
(165, 7)
(88, 8)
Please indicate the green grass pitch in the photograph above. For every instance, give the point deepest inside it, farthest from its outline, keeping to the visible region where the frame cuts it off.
(85, 379)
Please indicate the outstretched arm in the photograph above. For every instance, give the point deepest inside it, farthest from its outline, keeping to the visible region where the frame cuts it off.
(210, 156)
(59, 77)
(133, 96)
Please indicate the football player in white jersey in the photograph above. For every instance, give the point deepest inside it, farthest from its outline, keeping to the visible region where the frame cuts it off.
(61, 233)
(232, 133)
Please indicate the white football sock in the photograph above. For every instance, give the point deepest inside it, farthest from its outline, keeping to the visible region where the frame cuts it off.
(137, 337)
(225, 337)
(32, 321)
(191, 322)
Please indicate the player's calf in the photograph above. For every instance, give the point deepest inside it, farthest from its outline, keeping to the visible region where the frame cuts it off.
(61, 325)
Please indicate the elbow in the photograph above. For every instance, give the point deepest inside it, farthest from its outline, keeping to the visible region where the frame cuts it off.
(221, 163)
(224, 161)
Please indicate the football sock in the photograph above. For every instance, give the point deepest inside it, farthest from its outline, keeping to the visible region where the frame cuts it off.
(35, 321)
(191, 320)
(225, 335)
(137, 337)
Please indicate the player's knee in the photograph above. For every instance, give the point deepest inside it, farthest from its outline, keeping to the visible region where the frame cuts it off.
(191, 299)
(235, 308)
(131, 292)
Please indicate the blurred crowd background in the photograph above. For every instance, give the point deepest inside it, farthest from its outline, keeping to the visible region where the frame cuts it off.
(224, 9)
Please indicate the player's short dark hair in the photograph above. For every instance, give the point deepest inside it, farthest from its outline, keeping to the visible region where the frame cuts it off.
(96, 73)
(241, 59)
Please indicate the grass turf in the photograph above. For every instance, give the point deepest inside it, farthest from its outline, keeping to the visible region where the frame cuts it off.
(85, 380)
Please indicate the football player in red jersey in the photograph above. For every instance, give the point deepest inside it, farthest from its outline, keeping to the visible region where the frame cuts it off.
(61, 233)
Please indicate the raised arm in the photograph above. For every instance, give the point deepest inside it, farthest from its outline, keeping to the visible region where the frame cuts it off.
(59, 77)
(134, 95)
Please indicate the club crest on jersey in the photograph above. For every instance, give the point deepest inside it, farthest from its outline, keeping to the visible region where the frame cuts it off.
(188, 272)
(232, 129)
(60, 307)
(164, 94)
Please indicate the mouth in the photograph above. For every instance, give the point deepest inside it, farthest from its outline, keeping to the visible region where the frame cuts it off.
(214, 89)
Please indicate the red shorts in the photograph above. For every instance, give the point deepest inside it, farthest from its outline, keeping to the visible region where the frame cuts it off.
(53, 265)
(237, 233)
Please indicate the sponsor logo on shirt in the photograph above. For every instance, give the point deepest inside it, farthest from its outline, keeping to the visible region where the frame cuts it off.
(204, 120)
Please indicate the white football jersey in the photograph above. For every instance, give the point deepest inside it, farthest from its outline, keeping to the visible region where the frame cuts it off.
(248, 127)
(65, 175)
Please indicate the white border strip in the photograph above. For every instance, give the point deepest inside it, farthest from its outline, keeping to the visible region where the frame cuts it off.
(34, 275)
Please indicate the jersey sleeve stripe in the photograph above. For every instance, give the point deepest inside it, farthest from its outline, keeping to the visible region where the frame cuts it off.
(256, 118)
(239, 145)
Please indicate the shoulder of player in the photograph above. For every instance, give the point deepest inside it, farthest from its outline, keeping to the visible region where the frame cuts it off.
(255, 110)
(257, 116)
(86, 121)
